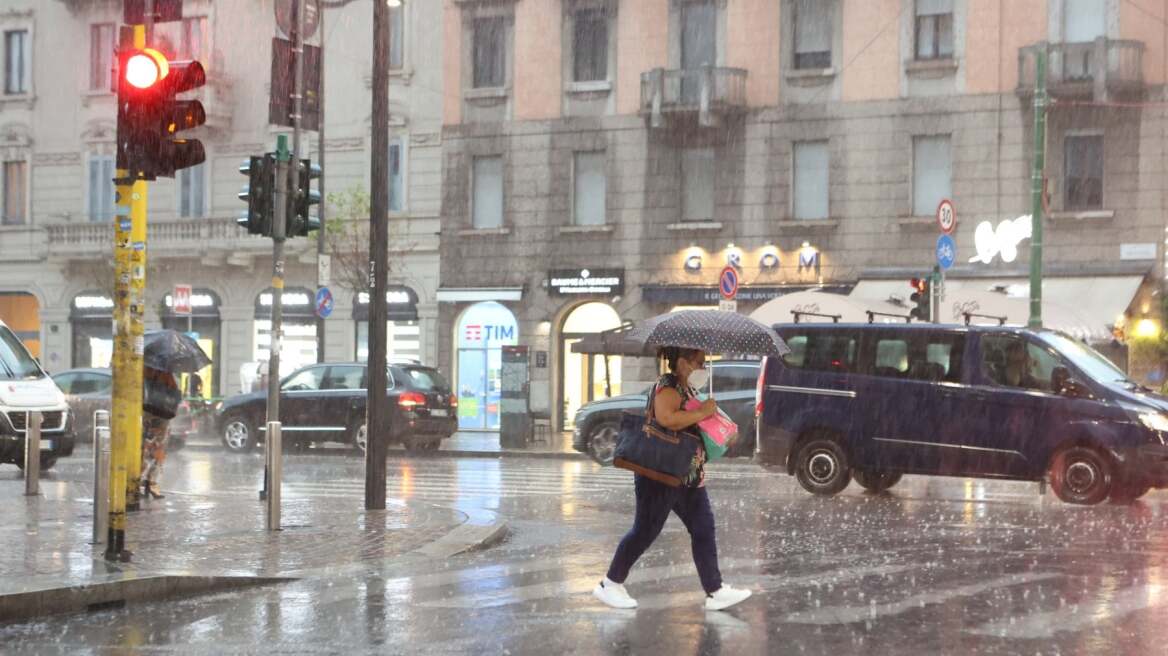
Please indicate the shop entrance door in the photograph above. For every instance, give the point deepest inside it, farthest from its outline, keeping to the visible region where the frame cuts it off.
(483, 330)
(585, 377)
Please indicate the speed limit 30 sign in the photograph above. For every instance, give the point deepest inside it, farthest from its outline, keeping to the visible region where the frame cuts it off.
(947, 216)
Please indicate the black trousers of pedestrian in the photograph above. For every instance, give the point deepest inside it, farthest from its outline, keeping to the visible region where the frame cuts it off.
(654, 503)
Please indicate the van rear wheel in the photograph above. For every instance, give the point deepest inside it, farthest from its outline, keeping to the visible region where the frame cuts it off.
(822, 467)
(876, 482)
(1081, 475)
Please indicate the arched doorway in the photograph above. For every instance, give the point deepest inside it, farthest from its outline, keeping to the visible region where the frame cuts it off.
(586, 377)
(298, 347)
(92, 324)
(203, 325)
(481, 333)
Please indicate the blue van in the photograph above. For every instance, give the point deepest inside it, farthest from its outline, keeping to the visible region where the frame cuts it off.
(875, 401)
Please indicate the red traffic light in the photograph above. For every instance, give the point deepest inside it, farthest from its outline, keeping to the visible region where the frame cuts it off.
(146, 68)
(919, 284)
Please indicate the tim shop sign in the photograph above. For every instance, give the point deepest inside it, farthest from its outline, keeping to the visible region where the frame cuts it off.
(576, 282)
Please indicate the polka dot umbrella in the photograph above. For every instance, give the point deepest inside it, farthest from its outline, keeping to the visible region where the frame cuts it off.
(715, 332)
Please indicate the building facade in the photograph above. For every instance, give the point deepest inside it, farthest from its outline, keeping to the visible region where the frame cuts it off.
(807, 143)
(57, 130)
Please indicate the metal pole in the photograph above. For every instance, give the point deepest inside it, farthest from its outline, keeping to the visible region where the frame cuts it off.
(276, 474)
(377, 412)
(1036, 176)
(279, 223)
(320, 234)
(32, 454)
(101, 461)
(297, 91)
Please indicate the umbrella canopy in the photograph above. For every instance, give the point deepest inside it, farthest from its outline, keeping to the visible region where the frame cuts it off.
(712, 331)
(172, 351)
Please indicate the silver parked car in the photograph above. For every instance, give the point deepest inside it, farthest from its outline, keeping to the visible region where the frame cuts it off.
(86, 391)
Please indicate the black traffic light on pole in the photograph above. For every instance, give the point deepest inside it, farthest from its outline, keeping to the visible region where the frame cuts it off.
(300, 202)
(140, 101)
(150, 116)
(258, 194)
(922, 296)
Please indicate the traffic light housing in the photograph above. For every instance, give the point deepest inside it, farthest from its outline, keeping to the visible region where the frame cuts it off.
(150, 116)
(258, 194)
(922, 296)
(301, 200)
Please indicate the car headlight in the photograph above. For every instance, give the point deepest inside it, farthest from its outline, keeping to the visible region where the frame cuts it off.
(1155, 421)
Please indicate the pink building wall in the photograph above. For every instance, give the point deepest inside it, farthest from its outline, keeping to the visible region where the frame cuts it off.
(996, 31)
(753, 43)
(451, 64)
(642, 45)
(874, 74)
(539, 86)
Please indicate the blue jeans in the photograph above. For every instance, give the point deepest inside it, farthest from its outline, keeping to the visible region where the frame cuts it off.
(654, 503)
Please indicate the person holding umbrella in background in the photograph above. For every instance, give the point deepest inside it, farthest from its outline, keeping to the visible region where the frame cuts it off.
(683, 339)
(166, 352)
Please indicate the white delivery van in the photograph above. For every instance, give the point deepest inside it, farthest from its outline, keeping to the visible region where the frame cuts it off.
(26, 388)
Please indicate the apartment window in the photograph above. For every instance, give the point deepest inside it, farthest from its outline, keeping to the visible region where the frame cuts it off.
(590, 46)
(697, 179)
(811, 180)
(101, 188)
(14, 188)
(490, 54)
(934, 29)
(396, 176)
(932, 174)
(813, 31)
(1083, 171)
(396, 37)
(186, 39)
(488, 192)
(192, 192)
(588, 189)
(16, 62)
(101, 57)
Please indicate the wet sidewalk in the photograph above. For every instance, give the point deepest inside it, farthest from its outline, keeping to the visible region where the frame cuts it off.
(199, 539)
(466, 444)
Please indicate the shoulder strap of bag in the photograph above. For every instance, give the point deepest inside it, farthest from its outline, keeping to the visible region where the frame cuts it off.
(651, 417)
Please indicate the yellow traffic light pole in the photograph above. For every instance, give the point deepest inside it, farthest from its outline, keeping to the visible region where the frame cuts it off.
(129, 299)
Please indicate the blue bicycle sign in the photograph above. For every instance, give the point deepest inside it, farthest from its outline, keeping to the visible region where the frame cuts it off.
(946, 251)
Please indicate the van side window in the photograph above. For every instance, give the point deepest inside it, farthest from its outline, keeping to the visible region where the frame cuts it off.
(821, 350)
(1011, 361)
(931, 357)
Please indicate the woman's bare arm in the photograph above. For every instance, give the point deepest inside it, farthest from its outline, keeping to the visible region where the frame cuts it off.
(666, 409)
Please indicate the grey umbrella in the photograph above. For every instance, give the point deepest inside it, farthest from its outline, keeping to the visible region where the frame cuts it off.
(712, 331)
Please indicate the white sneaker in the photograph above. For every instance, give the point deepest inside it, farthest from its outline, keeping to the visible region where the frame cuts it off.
(726, 597)
(613, 594)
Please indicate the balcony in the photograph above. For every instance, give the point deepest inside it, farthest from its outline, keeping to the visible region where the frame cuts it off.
(1100, 70)
(214, 241)
(708, 94)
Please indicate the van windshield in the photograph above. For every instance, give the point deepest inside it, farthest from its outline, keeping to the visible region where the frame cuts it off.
(15, 362)
(1086, 358)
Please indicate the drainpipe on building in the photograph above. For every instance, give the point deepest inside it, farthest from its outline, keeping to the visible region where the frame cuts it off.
(1036, 188)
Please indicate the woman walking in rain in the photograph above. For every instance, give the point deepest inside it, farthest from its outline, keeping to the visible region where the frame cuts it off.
(691, 503)
(161, 399)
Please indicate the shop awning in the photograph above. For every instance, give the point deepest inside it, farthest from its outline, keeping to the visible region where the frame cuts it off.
(476, 294)
(1084, 306)
(610, 342)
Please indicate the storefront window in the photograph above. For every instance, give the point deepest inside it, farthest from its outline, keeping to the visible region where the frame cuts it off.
(21, 312)
(299, 319)
(481, 333)
(203, 325)
(587, 377)
(92, 324)
(403, 335)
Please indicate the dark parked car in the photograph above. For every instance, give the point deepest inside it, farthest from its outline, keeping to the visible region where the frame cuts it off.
(326, 403)
(873, 402)
(86, 391)
(733, 382)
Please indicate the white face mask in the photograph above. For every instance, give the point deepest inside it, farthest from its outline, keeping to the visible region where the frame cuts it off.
(699, 377)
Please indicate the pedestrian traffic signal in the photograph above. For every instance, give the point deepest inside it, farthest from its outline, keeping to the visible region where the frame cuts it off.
(258, 194)
(150, 116)
(922, 296)
(300, 202)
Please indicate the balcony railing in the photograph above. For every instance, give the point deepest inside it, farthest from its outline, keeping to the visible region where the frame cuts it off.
(181, 238)
(1099, 69)
(710, 92)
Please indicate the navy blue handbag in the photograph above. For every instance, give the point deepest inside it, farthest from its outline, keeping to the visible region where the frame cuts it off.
(647, 448)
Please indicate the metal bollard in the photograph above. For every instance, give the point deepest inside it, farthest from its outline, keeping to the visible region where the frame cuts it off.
(275, 474)
(32, 454)
(102, 449)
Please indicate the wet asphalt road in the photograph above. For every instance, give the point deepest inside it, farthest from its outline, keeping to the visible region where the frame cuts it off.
(938, 566)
